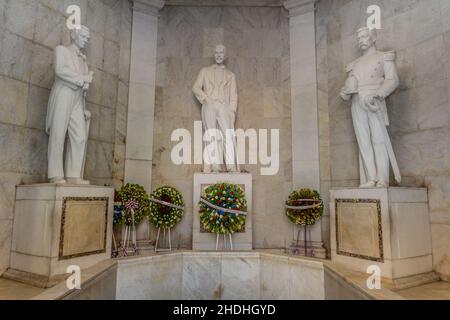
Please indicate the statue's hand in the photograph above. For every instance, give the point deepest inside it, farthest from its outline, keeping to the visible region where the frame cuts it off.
(344, 95)
(370, 102)
(87, 115)
(207, 101)
(89, 78)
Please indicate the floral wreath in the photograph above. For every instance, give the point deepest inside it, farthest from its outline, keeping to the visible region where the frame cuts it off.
(166, 207)
(304, 207)
(131, 198)
(223, 208)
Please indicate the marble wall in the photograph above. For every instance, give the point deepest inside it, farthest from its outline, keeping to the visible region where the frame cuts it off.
(419, 110)
(257, 41)
(220, 276)
(29, 30)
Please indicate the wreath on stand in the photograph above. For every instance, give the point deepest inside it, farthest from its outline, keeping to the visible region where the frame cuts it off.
(166, 207)
(223, 209)
(304, 208)
(130, 207)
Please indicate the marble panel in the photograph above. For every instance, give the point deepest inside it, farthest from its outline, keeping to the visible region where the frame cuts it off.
(240, 278)
(307, 281)
(13, 108)
(21, 17)
(42, 73)
(276, 279)
(202, 278)
(50, 25)
(15, 56)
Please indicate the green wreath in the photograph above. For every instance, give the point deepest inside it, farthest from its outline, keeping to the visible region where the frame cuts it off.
(223, 208)
(304, 207)
(132, 198)
(166, 207)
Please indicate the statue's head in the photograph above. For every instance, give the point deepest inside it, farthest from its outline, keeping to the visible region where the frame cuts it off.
(220, 54)
(80, 36)
(366, 38)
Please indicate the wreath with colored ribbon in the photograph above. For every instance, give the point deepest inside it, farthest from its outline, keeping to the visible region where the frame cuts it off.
(132, 205)
(304, 207)
(223, 208)
(166, 207)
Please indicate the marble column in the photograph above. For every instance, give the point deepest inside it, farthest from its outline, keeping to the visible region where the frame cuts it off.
(141, 104)
(305, 121)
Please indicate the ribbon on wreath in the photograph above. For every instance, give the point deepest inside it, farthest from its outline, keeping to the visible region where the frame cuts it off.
(213, 206)
(167, 204)
(316, 205)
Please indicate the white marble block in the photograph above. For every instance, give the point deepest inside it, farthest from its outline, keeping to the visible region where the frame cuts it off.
(57, 226)
(207, 241)
(389, 228)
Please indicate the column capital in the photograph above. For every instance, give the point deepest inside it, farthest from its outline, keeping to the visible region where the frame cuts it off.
(148, 6)
(298, 7)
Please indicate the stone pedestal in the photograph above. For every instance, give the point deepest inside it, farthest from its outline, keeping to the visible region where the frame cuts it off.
(56, 226)
(389, 228)
(205, 241)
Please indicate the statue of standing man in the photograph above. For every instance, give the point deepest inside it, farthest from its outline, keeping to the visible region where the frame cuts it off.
(216, 90)
(372, 78)
(66, 115)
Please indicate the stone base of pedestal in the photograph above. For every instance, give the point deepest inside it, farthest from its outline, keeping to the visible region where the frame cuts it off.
(388, 228)
(312, 250)
(204, 241)
(57, 226)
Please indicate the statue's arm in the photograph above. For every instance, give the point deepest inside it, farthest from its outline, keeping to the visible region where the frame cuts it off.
(198, 88)
(63, 72)
(233, 95)
(344, 94)
(391, 81)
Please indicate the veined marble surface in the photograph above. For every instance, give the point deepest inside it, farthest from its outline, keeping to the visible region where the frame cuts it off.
(220, 276)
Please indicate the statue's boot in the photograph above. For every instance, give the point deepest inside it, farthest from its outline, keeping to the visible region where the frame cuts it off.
(58, 180)
(370, 184)
(382, 184)
(78, 181)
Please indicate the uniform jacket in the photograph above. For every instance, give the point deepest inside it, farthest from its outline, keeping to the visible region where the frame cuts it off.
(375, 74)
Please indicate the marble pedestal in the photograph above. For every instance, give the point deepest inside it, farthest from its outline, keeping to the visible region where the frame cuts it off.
(389, 228)
(205, 241)
(56, 226)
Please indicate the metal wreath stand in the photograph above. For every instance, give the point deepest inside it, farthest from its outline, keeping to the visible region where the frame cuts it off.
(130, 232)
(171, 205)
(236, 212)
(313, 206)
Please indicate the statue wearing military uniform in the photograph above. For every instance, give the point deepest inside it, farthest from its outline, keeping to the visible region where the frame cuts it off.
(372, 78)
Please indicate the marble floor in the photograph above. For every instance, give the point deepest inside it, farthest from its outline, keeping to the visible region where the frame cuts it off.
(433, 291)
(11, 290)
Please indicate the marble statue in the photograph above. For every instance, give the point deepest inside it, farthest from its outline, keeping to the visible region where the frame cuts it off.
(67, 116)
(216, 90)
(372, 78)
